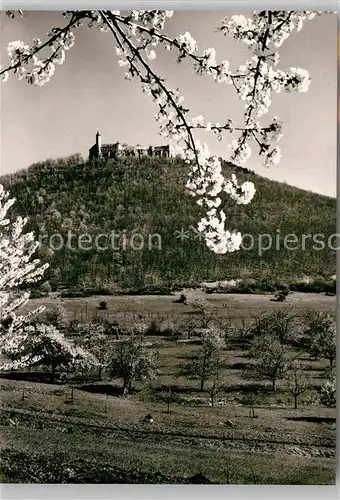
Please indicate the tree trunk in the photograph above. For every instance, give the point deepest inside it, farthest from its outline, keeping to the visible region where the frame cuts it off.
(212, 401)
(125, 387)
(100, 373)
(274, 385)
(295, 401)
(202, 385)
(169, 400)
(53, 368)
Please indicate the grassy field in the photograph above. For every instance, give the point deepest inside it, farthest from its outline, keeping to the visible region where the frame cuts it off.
(127, 309)
(102, 436)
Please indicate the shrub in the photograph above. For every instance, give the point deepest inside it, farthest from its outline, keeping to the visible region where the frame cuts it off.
(57, 317)
(99, 326)
(154, 327)
(251, 399)
(199, 305)
(182, 299)
(46, 287)
(245, 286)
(328, 393)
(140, 329)
(317, 285)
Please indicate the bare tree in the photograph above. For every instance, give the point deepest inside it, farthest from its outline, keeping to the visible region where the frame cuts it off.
(169, 399)
(206, 360)
(243, 332)
(298, 381)
(321, 331)
(251, 400)
(207, 320)
(216, 384)
(189, 327)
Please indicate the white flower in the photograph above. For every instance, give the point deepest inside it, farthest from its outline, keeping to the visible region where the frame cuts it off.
(210, 56)
(217, 238)
(151, 55)
(133, 29)
(16, 49)
(69, 40)
(59, 58)
(302, 77)
(273, 157)
(4, 76)
(222, 75)
(197, 121)
(146, 88)
(241, 194)
(187, 42)
(123, 62)
(239, 151)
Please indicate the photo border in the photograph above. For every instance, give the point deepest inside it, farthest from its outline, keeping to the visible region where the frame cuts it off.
(149, 492)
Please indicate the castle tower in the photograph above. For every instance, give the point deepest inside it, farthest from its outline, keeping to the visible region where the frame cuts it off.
(99, 144)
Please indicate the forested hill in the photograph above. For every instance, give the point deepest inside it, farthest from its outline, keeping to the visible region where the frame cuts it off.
(148, 197)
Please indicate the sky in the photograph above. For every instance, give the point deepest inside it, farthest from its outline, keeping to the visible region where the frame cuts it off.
(89, 93)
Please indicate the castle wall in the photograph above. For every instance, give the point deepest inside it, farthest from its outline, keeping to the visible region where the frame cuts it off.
(118, 150)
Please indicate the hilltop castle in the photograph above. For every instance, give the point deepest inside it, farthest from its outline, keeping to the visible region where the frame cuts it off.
(100, 150)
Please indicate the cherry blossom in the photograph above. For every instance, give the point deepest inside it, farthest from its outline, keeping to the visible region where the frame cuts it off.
(44, 345)
(17, 267)
(137, 36)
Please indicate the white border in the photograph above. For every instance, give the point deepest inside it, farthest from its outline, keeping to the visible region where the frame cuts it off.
(241, 5)
(164, 492)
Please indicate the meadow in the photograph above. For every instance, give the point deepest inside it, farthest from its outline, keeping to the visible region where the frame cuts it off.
(86, 430)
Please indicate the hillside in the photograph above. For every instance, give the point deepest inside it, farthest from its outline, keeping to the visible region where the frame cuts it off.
(148, 196)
